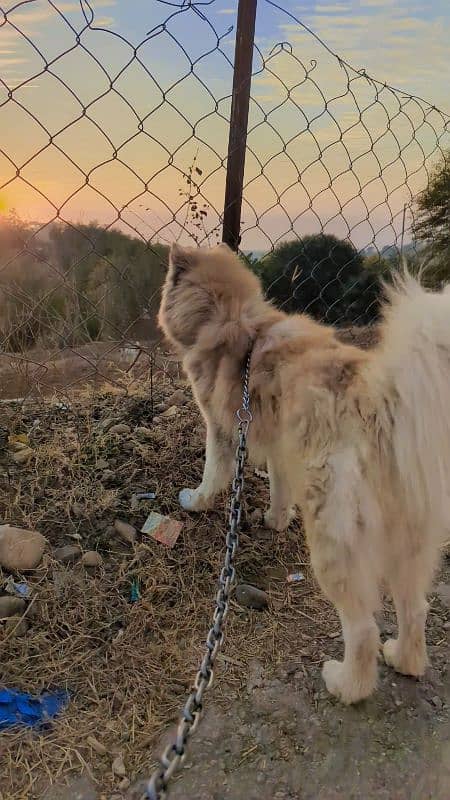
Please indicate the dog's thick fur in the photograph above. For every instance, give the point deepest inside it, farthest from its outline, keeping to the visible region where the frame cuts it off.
(360, 441)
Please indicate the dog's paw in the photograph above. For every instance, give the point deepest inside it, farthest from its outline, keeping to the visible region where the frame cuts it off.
(414, 663)
(343, 685)
(188, 499)
(278, 520)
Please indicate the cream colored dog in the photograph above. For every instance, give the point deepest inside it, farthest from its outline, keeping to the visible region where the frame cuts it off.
(360, 441)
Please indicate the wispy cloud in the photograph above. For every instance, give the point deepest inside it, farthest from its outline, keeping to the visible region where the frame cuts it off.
(103, 22)
(26, 15)
(4, 62)
(336, 8)
(395, 43)
(375, 3)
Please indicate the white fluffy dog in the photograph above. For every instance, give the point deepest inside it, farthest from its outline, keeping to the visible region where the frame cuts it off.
(360, 441)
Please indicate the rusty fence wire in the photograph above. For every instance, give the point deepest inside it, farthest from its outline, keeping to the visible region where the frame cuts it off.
(113, 147)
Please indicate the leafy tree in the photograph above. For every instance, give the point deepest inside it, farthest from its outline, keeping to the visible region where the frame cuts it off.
(432, 223)
(324, 276)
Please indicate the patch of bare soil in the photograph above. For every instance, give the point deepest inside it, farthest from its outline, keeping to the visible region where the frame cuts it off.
(271, 731)
(41, 372)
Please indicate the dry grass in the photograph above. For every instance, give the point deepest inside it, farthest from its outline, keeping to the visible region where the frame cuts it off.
(128, 665)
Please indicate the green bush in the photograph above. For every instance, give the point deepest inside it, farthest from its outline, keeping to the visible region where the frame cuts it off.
(323, 276)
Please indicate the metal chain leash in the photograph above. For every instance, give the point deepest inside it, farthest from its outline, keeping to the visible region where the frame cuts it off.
(174, 754)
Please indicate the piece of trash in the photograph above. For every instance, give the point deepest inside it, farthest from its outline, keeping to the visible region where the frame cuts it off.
(18, 438)
(295, 577)
(18, 589)
(162, 529)
(261, 473)
(138, 496)
(135, 593)
(21, 708)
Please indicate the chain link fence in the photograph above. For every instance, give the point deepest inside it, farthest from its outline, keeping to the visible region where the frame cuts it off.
(113, 148)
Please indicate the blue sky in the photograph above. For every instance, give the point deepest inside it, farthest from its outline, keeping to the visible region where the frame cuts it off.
(302, 101)
(405, 43)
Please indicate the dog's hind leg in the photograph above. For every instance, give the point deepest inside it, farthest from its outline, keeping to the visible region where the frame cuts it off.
(281, 511)
(410, 579)
(336, 507)
(217, 473)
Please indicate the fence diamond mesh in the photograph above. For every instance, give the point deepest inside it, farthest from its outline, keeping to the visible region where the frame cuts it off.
(115, 148)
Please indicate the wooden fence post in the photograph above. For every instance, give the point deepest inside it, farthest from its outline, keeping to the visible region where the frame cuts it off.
(237, 141)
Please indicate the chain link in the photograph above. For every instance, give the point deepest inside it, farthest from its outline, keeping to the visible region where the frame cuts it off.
(174, 753)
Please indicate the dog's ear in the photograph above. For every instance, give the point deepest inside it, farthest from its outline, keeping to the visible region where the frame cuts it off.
(180, 259)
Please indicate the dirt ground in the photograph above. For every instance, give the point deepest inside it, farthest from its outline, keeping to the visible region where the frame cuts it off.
(40, 372)
(270, 730)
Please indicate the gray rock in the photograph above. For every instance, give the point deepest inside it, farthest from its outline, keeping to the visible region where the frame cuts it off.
(92, 559)
(20, 549)
(11, 606)
(67, 554)
(251, 596)
(119, 430)
(178, 398)
(22, 456)
(170, 412)
(143, 433)
(107, 476)
(15, 626)
(106, 423)
(126, 531)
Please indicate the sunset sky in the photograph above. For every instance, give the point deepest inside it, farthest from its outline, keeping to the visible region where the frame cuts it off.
(125, 117)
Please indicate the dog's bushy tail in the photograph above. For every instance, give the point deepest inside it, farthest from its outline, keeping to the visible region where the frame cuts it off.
(412, 366)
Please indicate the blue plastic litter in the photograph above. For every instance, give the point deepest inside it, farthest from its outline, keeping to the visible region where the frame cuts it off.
(21, 708)
(18, 589)
(135, 592)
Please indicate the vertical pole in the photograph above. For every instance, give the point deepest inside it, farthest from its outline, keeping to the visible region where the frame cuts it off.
(237, 141)
(403, 230)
